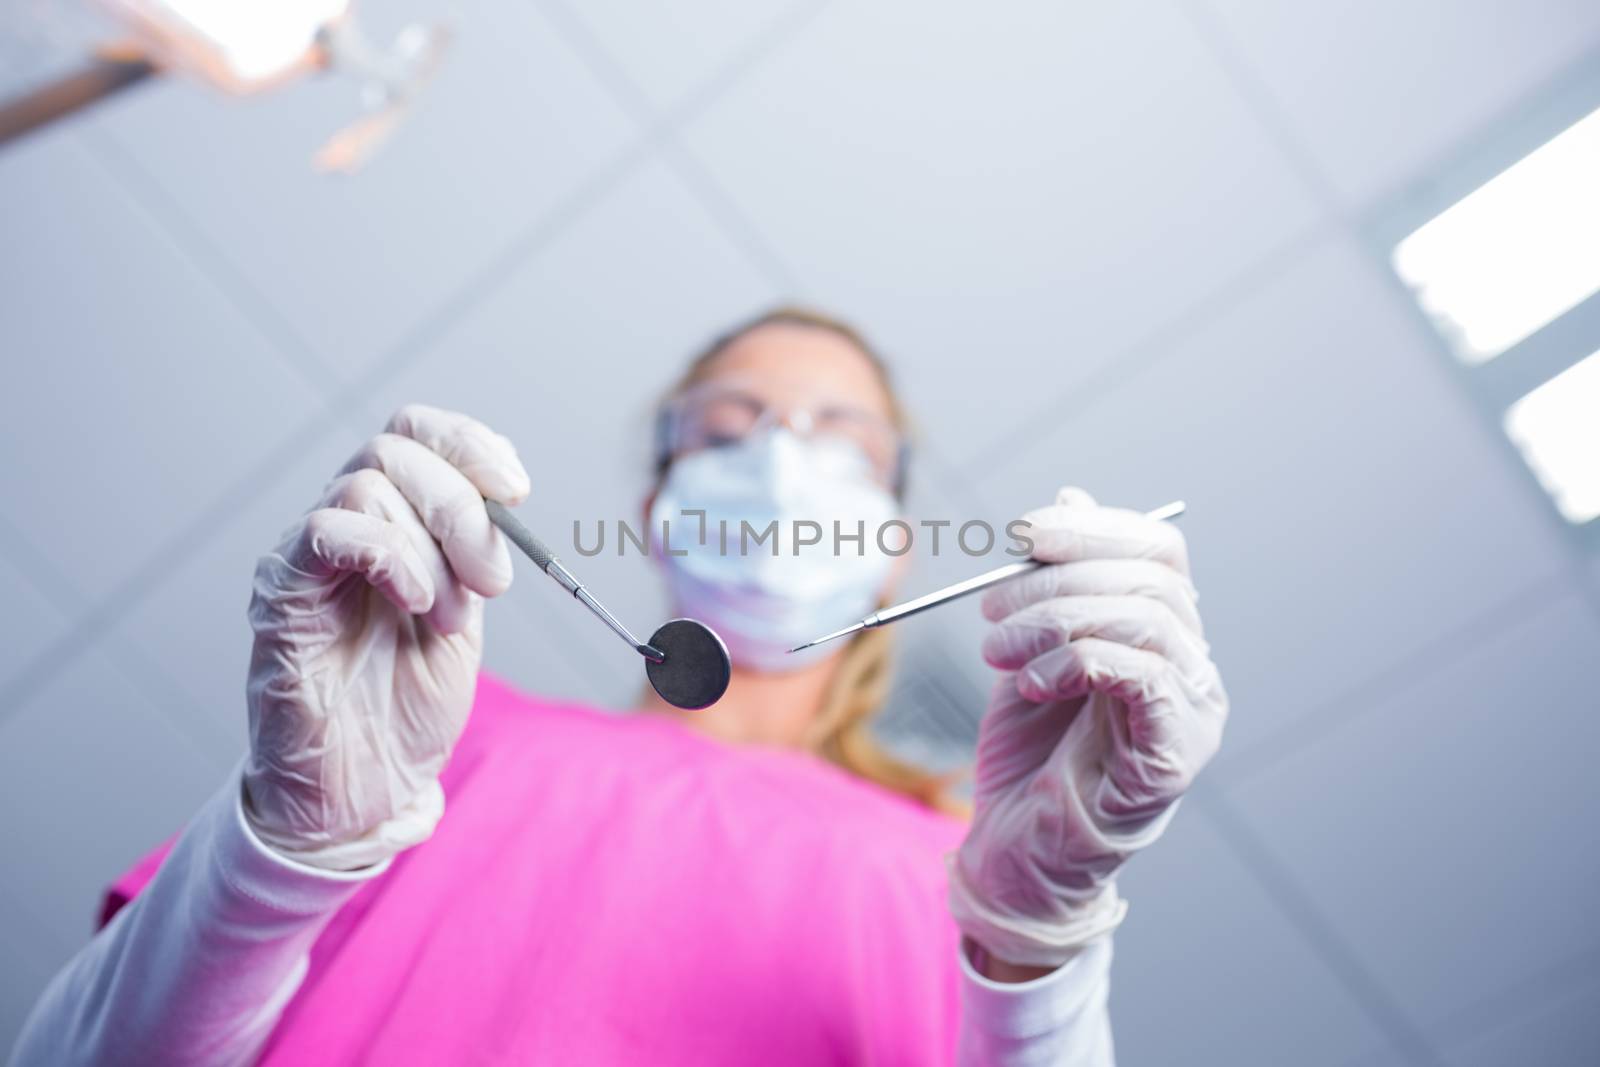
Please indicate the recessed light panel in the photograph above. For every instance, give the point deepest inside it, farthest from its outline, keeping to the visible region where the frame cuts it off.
(1515, 253)
(1557, 427)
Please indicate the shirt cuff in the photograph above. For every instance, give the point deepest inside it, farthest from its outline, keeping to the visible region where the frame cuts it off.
(255, 870)
(1020, 1011)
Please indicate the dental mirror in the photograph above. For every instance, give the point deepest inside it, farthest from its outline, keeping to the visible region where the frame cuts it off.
(686, 661)
(695, 667)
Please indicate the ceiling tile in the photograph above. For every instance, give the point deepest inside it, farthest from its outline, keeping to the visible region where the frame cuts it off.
(1007, 198)
(1376, 90)
(42, 40)
(1562, 1030)
(1385, 1057)
(1446, 832)
(138, 394)
(192, 629)
(1347, 504)
(30, 623)
(32, 953)
(511, 127)
(1208, 969)
(671, 50)
(113, 785)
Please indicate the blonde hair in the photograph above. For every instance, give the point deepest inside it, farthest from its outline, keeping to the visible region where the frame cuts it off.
(842, 732)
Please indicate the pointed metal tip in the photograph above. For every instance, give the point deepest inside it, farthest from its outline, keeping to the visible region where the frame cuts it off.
(830, 637)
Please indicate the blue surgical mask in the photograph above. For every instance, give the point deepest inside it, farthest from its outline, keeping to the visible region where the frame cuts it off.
(761, 603)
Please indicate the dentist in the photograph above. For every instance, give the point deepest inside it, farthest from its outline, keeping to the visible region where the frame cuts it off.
(416, 864)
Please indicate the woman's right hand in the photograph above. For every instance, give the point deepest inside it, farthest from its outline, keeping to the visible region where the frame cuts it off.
(368, 619)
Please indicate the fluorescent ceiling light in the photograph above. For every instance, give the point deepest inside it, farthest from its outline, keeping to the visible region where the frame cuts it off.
(1515, 253)
(1557, 427)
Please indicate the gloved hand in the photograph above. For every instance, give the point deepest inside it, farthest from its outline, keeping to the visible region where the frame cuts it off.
(369, 629)
(1109, 708)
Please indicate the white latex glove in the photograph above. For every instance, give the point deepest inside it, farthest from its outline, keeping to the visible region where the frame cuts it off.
(1109, 708)
(369, 630)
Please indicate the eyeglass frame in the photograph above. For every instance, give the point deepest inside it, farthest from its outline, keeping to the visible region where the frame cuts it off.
(669, 412)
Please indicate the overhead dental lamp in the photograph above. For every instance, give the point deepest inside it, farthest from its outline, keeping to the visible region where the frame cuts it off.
(244, 48)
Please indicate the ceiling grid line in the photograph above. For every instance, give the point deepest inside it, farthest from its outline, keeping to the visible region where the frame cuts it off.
(1258, 101)
(1445, 649)
(345, 401)
(734, 224)
(209, 260)
(1269, 869)
(1269, 115)
(540, 233)
(99, 617)
(57, 587)
(1266, 112)
(1298, 907)
(1474, 1022)
(1153, 348)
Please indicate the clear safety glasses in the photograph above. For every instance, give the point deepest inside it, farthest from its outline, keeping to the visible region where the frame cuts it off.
(720, 413)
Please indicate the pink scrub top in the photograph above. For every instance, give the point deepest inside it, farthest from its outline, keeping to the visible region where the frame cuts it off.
(619, 889)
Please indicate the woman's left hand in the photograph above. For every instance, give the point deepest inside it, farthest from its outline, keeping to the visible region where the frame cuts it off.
(1109, 707)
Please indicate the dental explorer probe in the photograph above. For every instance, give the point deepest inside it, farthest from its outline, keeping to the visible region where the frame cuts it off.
(686, 662)
(960, 589)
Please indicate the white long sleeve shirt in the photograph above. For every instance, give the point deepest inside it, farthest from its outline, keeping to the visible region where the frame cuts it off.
(198, 968)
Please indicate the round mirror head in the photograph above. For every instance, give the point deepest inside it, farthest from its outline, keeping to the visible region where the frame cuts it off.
(696, 669)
